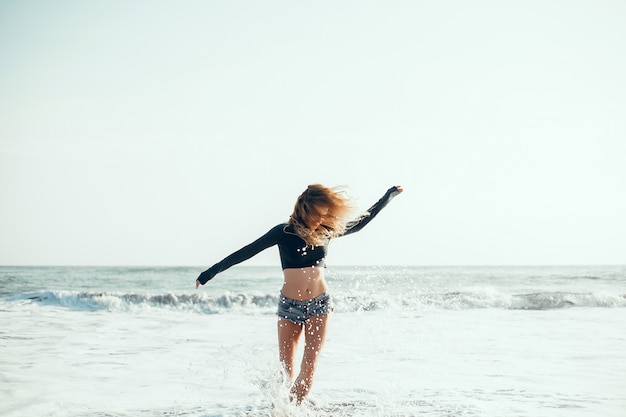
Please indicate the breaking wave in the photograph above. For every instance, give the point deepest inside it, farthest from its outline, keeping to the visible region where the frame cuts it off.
(266, 304)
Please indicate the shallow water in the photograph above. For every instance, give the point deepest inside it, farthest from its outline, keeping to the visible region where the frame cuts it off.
(402, 342)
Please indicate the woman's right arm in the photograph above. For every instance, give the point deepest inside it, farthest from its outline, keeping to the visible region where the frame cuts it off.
(269, 239)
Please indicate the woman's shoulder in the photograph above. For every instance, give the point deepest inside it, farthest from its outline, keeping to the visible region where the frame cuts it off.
(283, 230)
(275, 235)
(280, 228)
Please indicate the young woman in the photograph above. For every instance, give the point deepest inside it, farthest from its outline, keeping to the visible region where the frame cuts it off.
(320, 214)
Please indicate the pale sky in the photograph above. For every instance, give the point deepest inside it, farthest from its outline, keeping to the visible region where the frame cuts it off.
(175, 132)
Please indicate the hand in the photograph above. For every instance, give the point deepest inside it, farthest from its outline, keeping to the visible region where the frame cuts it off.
(399, 188)
(197, 283)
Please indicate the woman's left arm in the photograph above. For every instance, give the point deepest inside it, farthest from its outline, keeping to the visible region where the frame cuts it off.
(359, 224)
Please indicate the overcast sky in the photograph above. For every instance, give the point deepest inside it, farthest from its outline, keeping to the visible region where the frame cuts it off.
(175, 132)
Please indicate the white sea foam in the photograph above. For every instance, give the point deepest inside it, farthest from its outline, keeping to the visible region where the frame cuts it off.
(254, 304)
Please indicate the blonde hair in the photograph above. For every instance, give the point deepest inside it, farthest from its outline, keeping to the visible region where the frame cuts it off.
(315, 196)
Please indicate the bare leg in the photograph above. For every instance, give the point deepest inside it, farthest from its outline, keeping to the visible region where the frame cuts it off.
(288, 336)
(314, 336)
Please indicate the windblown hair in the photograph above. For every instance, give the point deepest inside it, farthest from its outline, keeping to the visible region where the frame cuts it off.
(314, 197)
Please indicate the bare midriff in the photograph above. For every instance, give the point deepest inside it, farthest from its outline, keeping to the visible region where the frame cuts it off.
(304, 283)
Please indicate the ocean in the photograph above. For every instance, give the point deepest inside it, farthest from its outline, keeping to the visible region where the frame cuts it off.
(403, 341)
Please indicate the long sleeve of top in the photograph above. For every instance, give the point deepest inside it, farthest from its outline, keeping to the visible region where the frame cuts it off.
(269, 239)
(359, 224)
(294, 251)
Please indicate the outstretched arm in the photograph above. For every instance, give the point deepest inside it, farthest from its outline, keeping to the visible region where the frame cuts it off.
(247, 252)
(359, 224)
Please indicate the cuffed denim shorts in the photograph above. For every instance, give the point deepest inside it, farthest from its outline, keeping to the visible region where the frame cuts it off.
(300, 311)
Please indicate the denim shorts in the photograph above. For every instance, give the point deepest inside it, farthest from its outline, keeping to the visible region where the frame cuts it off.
(300, 311)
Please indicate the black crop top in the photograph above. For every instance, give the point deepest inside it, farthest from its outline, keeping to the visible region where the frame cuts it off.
(294, 251)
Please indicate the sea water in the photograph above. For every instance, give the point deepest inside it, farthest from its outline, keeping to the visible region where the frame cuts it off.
(402, 341)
